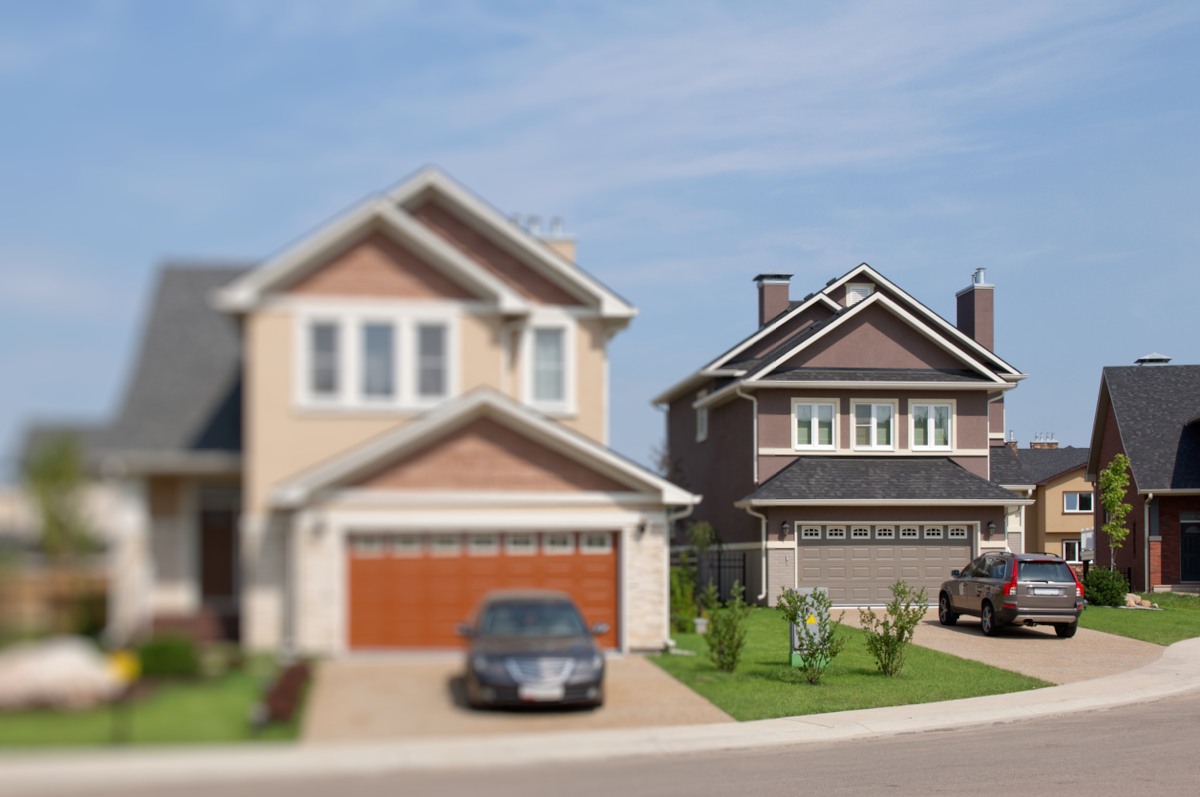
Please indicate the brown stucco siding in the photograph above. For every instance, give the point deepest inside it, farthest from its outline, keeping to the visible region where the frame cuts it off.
(817, 312)
(976, 465)
(1130, 554)
(874, 338)
(995, 416)
(516, 274)
(378, 266)
(484, 455)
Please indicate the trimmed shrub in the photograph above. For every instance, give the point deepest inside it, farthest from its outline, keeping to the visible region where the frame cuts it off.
(1104, 587)
(726, 634)
(888, 638)
(169, 655)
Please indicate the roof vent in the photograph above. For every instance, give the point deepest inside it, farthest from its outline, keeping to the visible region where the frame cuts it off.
(1153, 359)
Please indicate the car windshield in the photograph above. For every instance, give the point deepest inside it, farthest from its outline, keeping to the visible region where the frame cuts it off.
(1044, 570)
(531, 618)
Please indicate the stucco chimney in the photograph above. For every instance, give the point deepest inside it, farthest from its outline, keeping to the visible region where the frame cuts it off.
(772, 295)
(976, 313)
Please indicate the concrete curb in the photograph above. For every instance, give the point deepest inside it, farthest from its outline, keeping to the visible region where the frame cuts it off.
(1176, 673)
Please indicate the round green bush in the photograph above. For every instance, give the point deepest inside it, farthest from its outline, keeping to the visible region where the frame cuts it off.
(169, 655)
(1105, 587)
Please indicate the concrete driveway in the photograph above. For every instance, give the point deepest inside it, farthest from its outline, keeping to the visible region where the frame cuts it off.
(1033, 651)
(360, 699)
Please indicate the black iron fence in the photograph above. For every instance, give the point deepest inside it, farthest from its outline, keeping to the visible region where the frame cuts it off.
(722, 568)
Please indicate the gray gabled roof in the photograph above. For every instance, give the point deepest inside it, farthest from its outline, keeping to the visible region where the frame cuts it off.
(1155, 406)
(1006, 467)
(1032, 466)
(830, 479)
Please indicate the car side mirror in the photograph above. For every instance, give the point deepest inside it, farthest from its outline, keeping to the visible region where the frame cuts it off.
(600, 629)
(465, 631)
(955, 573)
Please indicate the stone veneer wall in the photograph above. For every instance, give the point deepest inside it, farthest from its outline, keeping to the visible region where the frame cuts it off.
(646, 588)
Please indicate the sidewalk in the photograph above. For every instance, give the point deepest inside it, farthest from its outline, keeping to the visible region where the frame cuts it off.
(1176, 673)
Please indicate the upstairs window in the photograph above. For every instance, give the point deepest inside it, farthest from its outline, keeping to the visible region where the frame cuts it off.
(931, 426)
(549, 365)
(431, 361)
(814, 425)
(1077, 502)
(873, 426)
(324, 361)
(379, 360)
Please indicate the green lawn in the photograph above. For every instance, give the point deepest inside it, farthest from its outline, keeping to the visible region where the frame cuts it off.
(210, 710)
(766, 686)
(1178, 620)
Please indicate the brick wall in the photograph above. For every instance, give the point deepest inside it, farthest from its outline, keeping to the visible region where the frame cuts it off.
(1169, 507)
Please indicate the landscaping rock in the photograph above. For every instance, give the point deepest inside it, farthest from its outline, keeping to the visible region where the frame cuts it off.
(1133, 599)
(62, 672)
(1147, 604)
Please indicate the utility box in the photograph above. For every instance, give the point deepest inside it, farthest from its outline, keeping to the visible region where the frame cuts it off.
(1087, 539)
(804, 631)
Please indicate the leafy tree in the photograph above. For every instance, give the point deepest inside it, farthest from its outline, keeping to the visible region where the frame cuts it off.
(1114, 480)
(888, 637)
(726, 635)
(683, 594)
(819, 643)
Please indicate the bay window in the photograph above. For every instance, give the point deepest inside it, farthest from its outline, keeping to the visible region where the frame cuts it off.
(813, 423)
(873, 426)
(931, 426)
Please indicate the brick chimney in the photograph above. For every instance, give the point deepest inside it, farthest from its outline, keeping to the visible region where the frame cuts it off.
(772, 296)
(976, 311)
(1043, 440)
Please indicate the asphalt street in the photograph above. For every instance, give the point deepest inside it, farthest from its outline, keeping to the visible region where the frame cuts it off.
(1146, 749)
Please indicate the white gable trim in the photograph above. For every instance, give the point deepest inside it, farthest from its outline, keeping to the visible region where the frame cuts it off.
(454, 414)
(954, 331)
(515, 240)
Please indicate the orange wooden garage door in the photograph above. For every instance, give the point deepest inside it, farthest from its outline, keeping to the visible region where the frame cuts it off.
(410, 590)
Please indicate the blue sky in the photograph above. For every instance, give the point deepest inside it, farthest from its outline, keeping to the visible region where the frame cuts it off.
(689, 145)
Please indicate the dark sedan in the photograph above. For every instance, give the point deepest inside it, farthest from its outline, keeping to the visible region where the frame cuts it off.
(532, 646)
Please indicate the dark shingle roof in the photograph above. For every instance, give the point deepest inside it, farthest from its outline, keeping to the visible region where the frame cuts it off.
(1006, 467)
(1046, 463)
(879, 478)
(874, 375)
(1153, 405)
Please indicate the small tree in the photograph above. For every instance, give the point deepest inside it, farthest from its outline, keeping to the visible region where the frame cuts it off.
(683, 594)
(726, 635)
(1114, 480)
(819, 644)
(888, 638)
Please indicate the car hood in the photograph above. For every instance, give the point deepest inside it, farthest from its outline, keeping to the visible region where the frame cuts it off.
(578, 646)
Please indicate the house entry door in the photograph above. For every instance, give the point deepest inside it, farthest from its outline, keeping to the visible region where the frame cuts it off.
(1189, 554)
(218, 560)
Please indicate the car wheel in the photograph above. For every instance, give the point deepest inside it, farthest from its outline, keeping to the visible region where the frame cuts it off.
(1066, 630)
(946, 615)
(987, 621)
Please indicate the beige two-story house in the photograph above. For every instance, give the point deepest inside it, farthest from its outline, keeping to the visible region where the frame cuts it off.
(345, 446)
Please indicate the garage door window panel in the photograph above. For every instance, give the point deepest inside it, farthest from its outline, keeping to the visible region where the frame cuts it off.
(520, 544)
(483, 544)
(407, 546)
(446, 545)
(594, 544)
(810, 532)
(933, 532)
(885, 532)
(558, 544)
(835, 533)
(368, 546)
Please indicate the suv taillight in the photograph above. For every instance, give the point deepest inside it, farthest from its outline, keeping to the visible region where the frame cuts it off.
(1011, 587)
(1078, 586)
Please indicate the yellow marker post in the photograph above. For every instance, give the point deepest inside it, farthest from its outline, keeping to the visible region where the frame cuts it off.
(126, 667)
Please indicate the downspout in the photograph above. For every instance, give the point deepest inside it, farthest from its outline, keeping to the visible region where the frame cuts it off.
(754, 467)
(671, 518)
(1146, 541)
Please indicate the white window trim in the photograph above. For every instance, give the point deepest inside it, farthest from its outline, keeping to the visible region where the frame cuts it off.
(550, 318)
(350, 317)
(1077, 511)
(1078, 549)
(916, 533)
(965, 535)
(810, 532)
(701, 418)
(893, 403)
(550, 551)
(912, 426)
(813, 401)
(512, 550)
(852, 286)
(855, 536)
(835, 532)
(588, 551)
(934, 533)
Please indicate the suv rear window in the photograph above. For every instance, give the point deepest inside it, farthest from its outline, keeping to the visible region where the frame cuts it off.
(1044, 570)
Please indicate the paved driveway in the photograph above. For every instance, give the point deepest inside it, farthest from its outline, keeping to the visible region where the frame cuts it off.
(1034, 651)
(396, 698)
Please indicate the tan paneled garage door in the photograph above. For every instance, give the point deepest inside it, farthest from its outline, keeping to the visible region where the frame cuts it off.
(858, 564)
(409, 590)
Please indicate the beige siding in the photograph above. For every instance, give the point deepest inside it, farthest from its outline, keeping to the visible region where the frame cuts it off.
(1053, 525)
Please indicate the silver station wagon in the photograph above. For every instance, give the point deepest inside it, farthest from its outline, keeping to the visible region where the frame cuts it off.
(1014, 589)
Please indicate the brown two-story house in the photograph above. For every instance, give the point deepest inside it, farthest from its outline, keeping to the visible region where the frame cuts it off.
(846, 442)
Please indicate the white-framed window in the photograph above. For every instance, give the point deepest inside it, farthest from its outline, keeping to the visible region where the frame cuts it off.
(874, 426)
(933, 532)
(1071, 550)
(446, 545)
(860, 533)
(701, 418)
(909, 532)
(558, 543)
(375, 357)
(857, 291)
(885, 532)
(520, 544)
(810, 533)
(407, 546)
(1077, 502)
(595, 543)
(548, 362)
(483, 544)
(957, 533)
(835, 532)
(367, 546)
(932, 426)
(814, 425)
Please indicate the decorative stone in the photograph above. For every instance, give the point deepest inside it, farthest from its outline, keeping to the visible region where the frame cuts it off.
(62, 672)
(1146, 604)
(1133, 599)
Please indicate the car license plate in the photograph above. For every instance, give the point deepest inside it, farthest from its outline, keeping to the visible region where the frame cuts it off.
(1042, 591)
(541, 694)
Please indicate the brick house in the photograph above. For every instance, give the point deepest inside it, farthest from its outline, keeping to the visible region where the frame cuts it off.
(343, 447)
(1150, 412)
(847, 441)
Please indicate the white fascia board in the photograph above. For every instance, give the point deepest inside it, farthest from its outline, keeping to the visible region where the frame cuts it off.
(839, 385)
(1014, 501)
(360, 497)
(1166, 491)
(966, 340)
(519, 243)
(899, 312)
